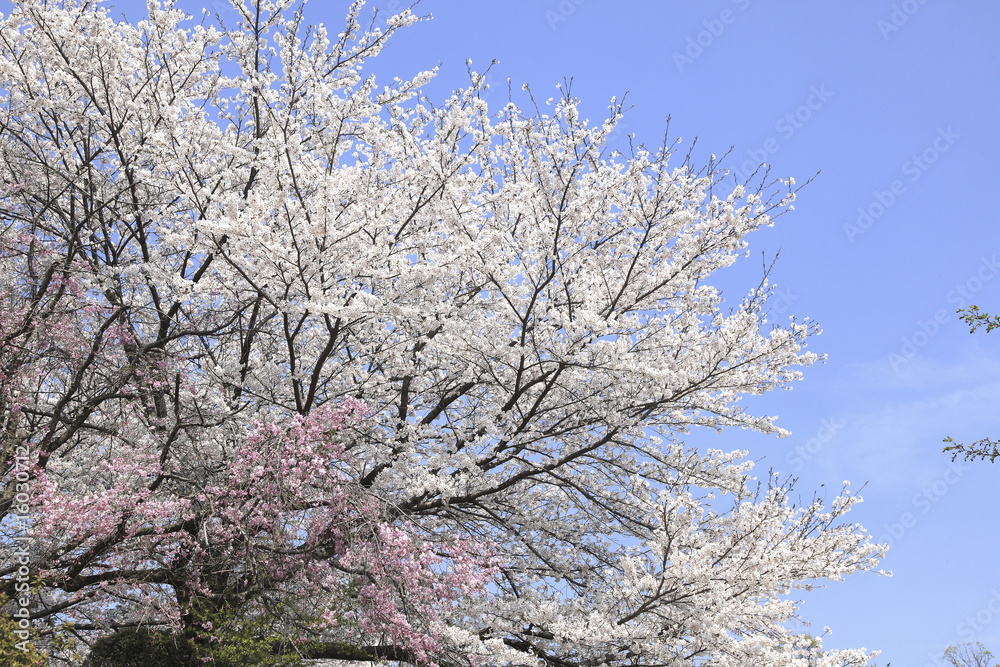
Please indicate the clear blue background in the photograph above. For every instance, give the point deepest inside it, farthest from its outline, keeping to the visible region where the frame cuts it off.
(894, 78)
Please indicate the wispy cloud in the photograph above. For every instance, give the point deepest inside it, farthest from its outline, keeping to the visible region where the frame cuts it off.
(897, 444)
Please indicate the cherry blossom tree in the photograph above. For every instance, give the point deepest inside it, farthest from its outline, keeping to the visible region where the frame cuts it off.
(409, 381)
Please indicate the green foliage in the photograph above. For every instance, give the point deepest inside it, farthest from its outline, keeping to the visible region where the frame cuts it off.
(223, 637)
(969, 655)
(976, 318)
(980, 449)
(10, 654)
(237, 640)
(141, 648)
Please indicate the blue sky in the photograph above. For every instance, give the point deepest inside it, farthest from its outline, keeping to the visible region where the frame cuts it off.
(896, 104)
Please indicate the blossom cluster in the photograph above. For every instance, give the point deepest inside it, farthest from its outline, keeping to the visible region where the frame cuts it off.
(405, 377)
